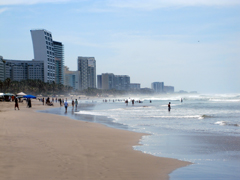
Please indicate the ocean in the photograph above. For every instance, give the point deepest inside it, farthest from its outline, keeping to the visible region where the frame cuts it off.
(203, 129)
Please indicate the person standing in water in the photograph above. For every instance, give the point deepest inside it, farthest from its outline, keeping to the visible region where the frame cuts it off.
(76, 103)
(66, 106)
(169, 106)
(72, 103)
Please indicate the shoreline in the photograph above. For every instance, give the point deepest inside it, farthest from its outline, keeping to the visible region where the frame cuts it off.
(72, 149)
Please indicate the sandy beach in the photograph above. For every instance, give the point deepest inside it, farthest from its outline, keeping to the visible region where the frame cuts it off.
(45, 146)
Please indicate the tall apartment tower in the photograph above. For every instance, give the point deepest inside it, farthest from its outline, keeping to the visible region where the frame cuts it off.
(99, 81)
(2, 69)
(18, 70)
(59, 62)
(87, 68)
(107, 81)
(158, 87)
(71, 78)
(44, 51)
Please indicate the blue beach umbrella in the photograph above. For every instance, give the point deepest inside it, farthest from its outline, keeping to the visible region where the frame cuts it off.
(30, 96)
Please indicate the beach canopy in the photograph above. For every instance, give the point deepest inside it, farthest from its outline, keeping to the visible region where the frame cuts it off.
(21, 94)
(30, 96)
(9, 94)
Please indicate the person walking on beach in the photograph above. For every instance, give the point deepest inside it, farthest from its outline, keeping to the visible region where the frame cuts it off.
(169, 106)
(133, 102)
(43, 101)
(66, 106)
(72, 103)
(16, 103)
(76, 103)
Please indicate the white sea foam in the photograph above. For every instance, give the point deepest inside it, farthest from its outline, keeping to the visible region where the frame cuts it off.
(224, 123)
(89, 113)
(221, 123)
(225, 100)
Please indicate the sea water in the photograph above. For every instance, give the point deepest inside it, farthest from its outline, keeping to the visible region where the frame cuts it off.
(203, 129)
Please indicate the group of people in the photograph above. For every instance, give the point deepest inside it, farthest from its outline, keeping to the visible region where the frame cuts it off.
(133, 101)
(16, 105)
(73, 103)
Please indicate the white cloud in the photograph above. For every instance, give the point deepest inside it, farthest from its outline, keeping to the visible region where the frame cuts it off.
(28, 2)
(156, 4)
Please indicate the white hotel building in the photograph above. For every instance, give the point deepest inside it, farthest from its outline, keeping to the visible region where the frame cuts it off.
(44, 51)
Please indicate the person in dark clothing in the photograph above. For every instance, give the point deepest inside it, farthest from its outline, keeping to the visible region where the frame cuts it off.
(16, 104)
(169, 106)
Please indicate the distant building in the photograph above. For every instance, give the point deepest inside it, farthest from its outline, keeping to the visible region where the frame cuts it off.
(146, 90)
(107, 81)
(2, 69)
(182, 91)
(121, 82)
(87, 68)
(18, 70)
(59, 62)
(169, 89)
(135, 86)
(44, 51)
(99, 81)
(111, 81)
(71, 78)
(158, 87)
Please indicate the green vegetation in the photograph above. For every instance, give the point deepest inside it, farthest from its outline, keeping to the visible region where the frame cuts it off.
(37, 87)
(33, 87)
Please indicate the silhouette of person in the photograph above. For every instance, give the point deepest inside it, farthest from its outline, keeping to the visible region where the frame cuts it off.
(169, 106)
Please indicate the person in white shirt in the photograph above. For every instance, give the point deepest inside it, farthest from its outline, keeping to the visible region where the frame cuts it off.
(66, 105)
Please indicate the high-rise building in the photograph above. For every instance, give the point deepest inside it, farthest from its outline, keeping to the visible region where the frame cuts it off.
(2, 69)
(18, 70)
(59, 62)
(158, 87)
(99, 81)
(111, 81)
(107, 81)
(87, 68)
(135, 86)
(121, 82)
(44, 51)
(71, 78)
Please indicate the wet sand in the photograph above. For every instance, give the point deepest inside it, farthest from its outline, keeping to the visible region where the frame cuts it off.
(46, 146)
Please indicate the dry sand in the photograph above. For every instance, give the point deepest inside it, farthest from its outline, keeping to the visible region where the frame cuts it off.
(38, 146)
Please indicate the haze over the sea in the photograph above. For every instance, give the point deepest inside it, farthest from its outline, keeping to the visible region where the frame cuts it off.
(191, 45)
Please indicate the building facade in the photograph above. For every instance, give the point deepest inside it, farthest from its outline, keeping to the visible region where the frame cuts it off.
(71, 78)
(158, 87)
(87, 69)
(99, 81)
(135, 86)
(2, 69)
(18, 70)
(107, 81)
(59, 62)
(121, 82)
(44, 51)
(111, 81)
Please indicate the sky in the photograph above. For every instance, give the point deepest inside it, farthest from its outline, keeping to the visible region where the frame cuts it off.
(193, 45)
